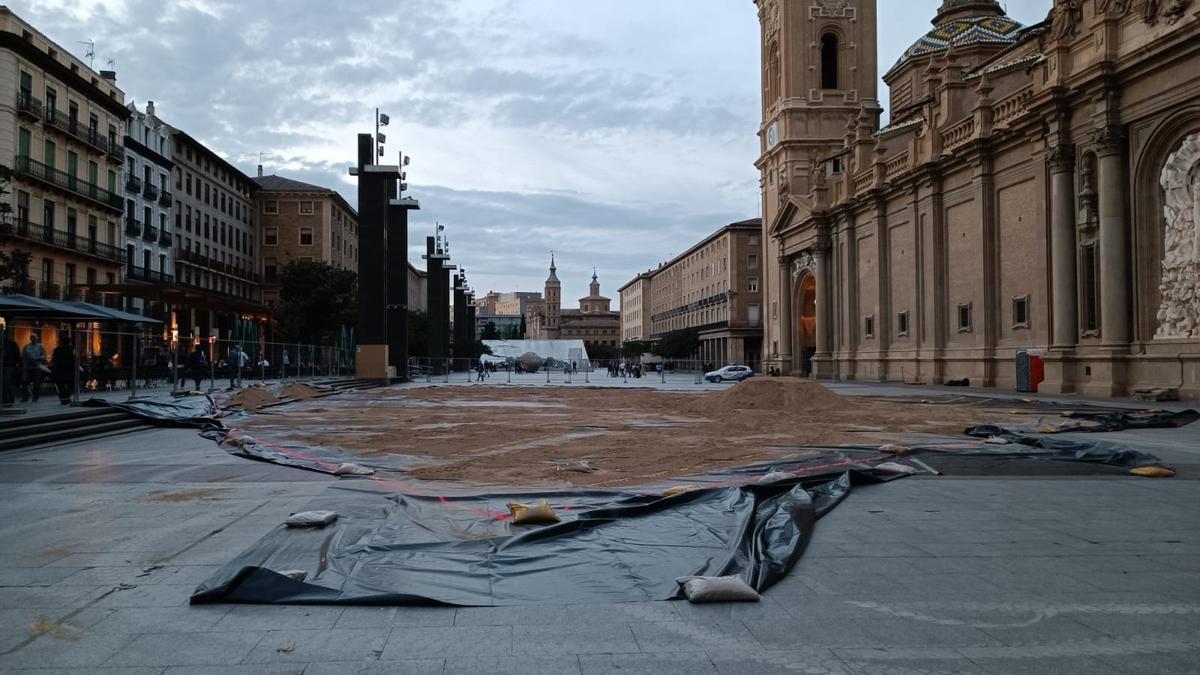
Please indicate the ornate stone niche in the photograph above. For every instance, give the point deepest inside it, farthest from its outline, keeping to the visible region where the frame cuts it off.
(1179, 289)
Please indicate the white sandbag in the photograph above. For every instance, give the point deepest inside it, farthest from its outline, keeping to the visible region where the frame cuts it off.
(352, 469)
(718, 589)
(295, 575)
(897, 468)
(997, 440)
(311, 519)
(775, 476)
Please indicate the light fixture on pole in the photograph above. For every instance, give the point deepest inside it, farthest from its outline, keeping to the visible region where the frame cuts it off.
(381, 120)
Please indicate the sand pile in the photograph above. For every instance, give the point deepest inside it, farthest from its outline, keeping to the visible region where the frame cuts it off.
(783, 395)
(523, 437)
(299, 392)
(251, 398)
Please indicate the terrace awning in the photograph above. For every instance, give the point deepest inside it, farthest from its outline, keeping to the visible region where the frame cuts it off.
(16, 306)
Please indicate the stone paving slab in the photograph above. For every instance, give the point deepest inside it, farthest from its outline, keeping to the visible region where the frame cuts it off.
(923, 575)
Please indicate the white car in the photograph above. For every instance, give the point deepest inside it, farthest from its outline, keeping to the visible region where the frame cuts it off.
(734, 373)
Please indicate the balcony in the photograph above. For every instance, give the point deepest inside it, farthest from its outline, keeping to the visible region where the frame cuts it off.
(133, 183)
(27, 231)
(164, 239)
(79, 293)
(49, 291)
(150, 233)
(28, 105)
(116, 151)
(164, 198)
(149, 191)
(56, 119)
(133, 273)
(133, 227)
(61, 179)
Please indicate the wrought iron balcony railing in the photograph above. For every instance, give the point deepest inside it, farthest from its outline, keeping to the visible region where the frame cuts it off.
(31, 168)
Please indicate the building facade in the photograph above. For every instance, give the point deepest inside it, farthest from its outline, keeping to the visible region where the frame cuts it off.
(217, 254)
(148, 228)
(302, 222)
(60, 132)
(1035, 188)
(635, 314)
(594, 322)
(715, 288)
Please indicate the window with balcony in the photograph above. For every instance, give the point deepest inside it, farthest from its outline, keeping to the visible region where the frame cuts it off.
(752, 284)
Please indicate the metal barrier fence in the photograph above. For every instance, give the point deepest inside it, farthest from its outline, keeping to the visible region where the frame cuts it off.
(136, 361)
(595, 372)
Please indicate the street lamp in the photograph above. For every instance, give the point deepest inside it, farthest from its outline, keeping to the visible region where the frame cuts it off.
(381, 120)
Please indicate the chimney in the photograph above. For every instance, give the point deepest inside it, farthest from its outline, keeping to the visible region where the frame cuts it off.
(260, 170)
(149, 108)
(110, 75)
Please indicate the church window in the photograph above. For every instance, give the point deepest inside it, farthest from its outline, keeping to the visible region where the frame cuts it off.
(964, 318)
(1091, 297)
(902, 323)
(869, 326)
(829, 61)
(1021, 312)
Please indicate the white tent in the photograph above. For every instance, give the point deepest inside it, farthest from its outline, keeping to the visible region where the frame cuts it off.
(564, 351)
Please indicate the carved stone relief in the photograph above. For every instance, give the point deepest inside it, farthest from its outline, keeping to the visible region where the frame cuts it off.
(1179, 313)
(1151, 11)
(803, 263)
(771, 19)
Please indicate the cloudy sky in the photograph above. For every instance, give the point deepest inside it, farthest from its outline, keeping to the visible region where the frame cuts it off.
(615, 133)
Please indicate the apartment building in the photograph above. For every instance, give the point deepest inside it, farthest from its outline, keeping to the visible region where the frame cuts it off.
(217, 259)
(714, 287)
(61, 125)
(148, 228)
(635, 314)
(302, 222)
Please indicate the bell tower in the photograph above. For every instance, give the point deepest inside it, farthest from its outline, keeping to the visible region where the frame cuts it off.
(819, 69)
(553, 295)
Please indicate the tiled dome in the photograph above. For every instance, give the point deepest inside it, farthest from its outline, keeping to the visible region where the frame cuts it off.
(965, 32)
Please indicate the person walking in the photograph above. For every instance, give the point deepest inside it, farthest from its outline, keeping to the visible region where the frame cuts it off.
(480, 370)
(64, 370)
(198, 363)
(237, 361)
(34, 361)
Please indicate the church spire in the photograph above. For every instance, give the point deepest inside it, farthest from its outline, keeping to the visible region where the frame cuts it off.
(553, 278)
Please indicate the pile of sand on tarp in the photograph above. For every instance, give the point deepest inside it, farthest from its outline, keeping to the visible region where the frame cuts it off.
(299, 392)
(771, 395)
(251, 398)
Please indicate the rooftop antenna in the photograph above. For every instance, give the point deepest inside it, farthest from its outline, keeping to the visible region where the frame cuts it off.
(90, 54)
(112, 64)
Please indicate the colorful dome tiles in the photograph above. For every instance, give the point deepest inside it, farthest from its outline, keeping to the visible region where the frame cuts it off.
(965, 32)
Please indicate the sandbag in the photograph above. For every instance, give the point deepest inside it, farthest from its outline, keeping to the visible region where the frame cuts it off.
(680, 489)
(352, 469)
(311, 518)
(896, 468)
(526, 514)
(718, 589)
(1152, 472)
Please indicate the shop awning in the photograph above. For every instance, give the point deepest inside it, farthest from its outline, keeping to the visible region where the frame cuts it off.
(110, 314)
(16, 306)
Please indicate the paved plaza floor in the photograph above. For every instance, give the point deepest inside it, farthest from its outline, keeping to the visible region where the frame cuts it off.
(103, 542)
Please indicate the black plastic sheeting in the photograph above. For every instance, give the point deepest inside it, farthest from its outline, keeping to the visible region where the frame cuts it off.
(196, 410)
(1100, 420)
(464, 550)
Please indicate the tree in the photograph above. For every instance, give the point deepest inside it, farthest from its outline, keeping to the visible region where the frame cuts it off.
(678, 344)
(632, 349)
(14, 265)
(490, 332)
(316, 301)
(418, 333)
(600, 352)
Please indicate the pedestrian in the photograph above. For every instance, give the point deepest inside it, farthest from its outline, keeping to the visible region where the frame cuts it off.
(574, 366)
(10, 370)
(33, 358)
(287, 362)
(64, 370)
(198, 363)
(237, 361)
(479, 371)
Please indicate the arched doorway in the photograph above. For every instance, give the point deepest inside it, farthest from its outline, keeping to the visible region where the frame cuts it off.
(806, 344)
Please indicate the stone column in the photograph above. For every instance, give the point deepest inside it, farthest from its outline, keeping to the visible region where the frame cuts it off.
(1114, 239)
(1064, 296)
(821, 268)
(785, 314)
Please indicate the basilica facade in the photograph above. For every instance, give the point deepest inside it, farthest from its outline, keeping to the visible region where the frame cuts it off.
(1035, 187)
